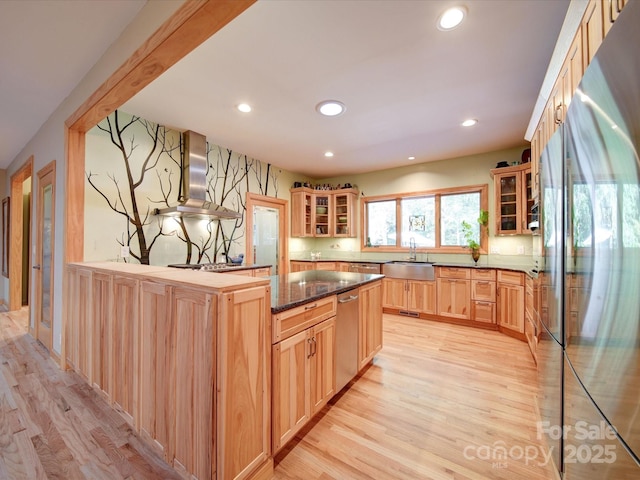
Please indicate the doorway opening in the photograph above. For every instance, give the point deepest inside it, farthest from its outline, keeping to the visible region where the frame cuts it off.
(20, 239)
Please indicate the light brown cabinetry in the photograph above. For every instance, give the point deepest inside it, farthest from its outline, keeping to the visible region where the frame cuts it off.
(124, 360)
(530, 317)
(454, 292)
(187, 361)
(409, 296)
(243, 402)
(513, 199)
(295, 266)
(592, 29)
(322, 364)
(369, 322)
(303, 366)
(101, 336)
(323, 213)
(483, 295)
(510, 300)
(302, 213)
(344, 213)
(598, 18)
(291, 382)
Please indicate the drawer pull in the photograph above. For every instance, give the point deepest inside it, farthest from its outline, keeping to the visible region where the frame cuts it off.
(309, 307)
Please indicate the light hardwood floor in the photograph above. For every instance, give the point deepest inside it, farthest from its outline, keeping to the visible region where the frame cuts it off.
(435, 392)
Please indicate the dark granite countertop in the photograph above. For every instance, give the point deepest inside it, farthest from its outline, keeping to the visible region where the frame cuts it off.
(298, 288)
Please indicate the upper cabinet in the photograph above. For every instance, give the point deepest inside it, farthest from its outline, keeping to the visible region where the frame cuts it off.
(598, 18)
(323, 213)
(513, 199)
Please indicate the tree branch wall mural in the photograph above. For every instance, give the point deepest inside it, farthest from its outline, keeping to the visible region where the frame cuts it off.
(134, 166)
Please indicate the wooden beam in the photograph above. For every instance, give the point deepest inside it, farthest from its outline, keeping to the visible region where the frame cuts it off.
(192, 24)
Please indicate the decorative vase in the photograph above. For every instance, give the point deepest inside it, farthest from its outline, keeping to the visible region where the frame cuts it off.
(475, 254)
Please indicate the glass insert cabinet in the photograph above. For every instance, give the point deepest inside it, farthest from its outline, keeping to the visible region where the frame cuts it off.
(513, 199)
(323, 213)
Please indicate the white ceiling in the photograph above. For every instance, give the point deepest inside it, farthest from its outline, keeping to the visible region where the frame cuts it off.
(46, 48)
(407, 85)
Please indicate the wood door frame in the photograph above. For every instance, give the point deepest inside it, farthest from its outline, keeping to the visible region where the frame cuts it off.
(253, 200)
(49, 169)
(189, 26)
(16, 242)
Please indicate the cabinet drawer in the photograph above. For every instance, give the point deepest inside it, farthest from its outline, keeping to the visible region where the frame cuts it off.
(297, 319)
(453, 272)
(483, 290)
(262, 272)
(515, 278)
(483, 311)
(483, 274)
(326, 266)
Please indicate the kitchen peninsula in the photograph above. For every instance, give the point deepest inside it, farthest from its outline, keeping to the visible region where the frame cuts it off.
(167, 347)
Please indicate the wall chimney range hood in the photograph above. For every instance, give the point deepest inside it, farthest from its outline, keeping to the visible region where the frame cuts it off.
(194, 184)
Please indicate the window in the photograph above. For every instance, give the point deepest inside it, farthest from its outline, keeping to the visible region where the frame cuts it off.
(431, 219)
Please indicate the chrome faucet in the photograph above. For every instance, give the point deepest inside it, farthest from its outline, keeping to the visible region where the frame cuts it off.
(412, 249)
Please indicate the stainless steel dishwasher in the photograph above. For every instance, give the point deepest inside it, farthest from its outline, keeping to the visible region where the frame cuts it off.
(346, 338)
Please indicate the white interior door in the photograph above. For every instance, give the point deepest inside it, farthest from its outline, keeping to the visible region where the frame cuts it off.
(265, 237)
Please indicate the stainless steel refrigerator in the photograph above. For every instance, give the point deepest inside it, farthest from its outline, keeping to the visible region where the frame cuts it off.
(590, 211)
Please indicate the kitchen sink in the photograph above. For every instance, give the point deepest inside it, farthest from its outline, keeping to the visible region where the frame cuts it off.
(409, 270)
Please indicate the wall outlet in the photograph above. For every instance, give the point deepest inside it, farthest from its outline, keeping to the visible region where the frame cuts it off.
(495, 250)
(124, 252)
(520, 249)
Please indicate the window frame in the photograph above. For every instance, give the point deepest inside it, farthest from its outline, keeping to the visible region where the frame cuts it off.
(482, 189)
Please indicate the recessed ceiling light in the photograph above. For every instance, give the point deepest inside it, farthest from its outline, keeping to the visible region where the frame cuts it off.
(469, 123)
(244, 107)
(331, 108)
(328, 154)
(451, 18)
(412, 158)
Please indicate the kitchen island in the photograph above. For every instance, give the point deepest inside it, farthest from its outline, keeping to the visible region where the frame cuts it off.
(186, 356)
(312, 341)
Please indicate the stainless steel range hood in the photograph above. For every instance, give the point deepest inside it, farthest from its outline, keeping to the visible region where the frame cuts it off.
(194, 184)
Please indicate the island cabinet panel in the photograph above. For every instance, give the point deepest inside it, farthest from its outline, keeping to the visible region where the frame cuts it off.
(244, 383)
(291, 382)
(322, 364)
(157, 378)
(101, 327)
(191, 369)
(78, 326)
(124, 359)
(369, 322)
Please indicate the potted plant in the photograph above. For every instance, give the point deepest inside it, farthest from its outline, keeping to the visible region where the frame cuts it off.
(469, 236)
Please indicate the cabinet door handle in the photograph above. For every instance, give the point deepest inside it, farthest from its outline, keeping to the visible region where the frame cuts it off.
(558, 114)
(310, 343)
(315, 345)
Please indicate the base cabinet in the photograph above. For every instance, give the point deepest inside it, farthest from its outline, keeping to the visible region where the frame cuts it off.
(369, 323)
(186, 364)
(409, 296)
(303, 379)
(511, 302)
